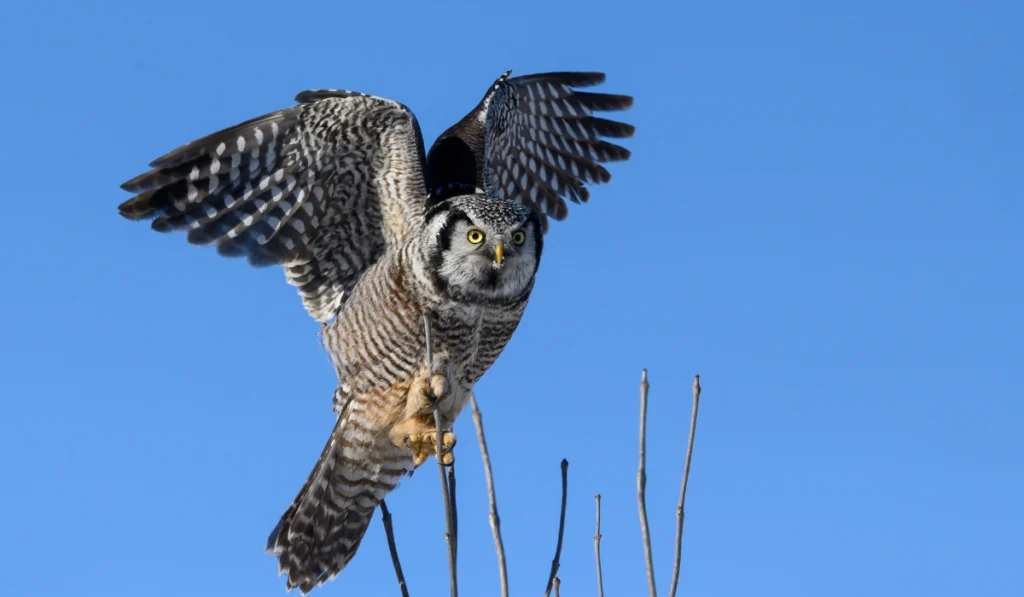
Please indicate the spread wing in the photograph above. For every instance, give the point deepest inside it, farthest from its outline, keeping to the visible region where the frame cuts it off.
(321, 188)
(533, 139)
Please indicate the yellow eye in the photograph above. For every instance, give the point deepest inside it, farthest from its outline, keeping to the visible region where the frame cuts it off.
(475, 236)
(519, 237)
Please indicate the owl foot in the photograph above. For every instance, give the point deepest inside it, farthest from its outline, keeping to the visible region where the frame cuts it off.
(436, 390)
(422, 445)
(423, 397)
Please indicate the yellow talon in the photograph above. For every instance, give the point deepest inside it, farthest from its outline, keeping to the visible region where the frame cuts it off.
(423, 445)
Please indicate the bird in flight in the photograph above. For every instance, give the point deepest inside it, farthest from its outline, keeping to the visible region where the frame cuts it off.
(380, 236)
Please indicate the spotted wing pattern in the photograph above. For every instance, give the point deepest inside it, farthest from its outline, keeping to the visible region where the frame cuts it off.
(534, 139)
(321, 188)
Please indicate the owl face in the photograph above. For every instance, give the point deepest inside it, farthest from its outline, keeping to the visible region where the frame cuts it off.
(482, 250)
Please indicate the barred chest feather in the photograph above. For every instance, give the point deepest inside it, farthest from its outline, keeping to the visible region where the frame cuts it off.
(377, 340)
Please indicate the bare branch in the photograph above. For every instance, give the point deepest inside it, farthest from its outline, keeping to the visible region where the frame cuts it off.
(455, 512)
(390, 532)
(597, 547)
(499, 545)
(680, 515)
(449, 510)
(561, 528)
(558, 584)
(641, 485)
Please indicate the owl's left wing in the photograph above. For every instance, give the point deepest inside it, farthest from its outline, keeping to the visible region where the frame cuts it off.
(533, 139)
(321, 188)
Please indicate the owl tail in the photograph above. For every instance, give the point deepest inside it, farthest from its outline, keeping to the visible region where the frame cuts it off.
(321, 531)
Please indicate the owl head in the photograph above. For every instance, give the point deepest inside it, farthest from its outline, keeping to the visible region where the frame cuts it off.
(481, 250)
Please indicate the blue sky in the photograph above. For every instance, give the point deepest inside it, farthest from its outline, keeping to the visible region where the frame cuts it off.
(822, 216)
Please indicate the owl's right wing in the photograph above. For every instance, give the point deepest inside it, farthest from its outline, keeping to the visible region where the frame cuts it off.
(321, 188)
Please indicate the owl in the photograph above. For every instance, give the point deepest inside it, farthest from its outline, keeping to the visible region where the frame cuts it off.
(383, 239)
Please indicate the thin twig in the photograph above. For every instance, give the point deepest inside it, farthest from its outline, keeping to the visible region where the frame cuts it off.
(499, 546)
(390, 532)
(680, 514)
(641, 485)
(558, 584)
(455, 512)
(449, 535)
(561, 528)
(597, 547)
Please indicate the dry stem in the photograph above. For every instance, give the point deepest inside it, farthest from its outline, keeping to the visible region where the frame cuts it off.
(680, 515)
(641, 485)
(449, 498)
(561, 528)
(597, 547)
(390, 532)
(558, 584)
(455, 513)
(499, 545)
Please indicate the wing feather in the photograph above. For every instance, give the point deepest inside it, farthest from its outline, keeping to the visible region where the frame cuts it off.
(321, 188)
(533, 139)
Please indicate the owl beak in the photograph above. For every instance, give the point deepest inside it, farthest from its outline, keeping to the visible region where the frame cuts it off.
(499, 253)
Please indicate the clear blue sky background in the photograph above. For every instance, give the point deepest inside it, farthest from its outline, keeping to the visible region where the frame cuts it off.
(823, 217)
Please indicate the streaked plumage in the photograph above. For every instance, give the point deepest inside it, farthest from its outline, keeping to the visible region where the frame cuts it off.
(374, 232)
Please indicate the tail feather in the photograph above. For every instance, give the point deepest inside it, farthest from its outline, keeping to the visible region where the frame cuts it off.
(321, 531)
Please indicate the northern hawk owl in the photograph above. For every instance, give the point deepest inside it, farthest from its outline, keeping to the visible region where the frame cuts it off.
(376, 233)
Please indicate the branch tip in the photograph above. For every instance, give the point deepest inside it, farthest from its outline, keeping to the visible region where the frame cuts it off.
(555, 562)
(680, 512)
